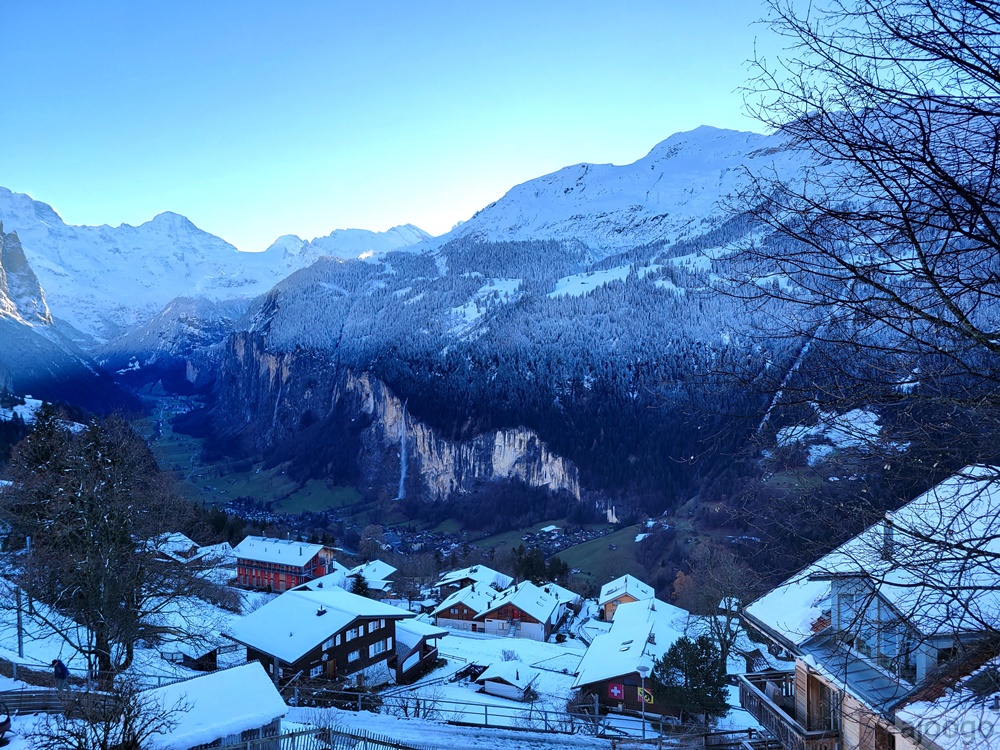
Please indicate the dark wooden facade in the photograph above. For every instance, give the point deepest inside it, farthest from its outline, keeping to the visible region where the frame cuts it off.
(629, 701)
(343, 653)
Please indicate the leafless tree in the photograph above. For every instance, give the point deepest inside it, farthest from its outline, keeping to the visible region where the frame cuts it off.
(881, 238)
(91, 501)
(879, 243)
(716, 588)
(124, 718)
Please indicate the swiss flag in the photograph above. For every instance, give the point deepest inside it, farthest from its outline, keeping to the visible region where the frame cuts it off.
(616, 691)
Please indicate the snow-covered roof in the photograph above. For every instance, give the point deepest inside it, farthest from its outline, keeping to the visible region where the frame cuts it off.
(564, 595)
(409, 632)
(512, 672)
(221, 553)
(337, 577)
(933, 560)
(528, 598)
(174, 543)
(376, 570)
(959, 718)
(218, 704)
(290, 625)
(625, 585)
(794, 608)
(641, 632)
(479, 574)
(476, 597)
(277, 551)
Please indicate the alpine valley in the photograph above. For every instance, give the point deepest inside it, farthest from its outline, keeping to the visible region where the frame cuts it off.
(572, 341)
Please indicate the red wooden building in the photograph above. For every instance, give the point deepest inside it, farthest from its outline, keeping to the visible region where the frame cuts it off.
(279, 564)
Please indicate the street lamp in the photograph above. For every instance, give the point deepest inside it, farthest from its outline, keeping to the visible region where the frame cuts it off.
(643, 671)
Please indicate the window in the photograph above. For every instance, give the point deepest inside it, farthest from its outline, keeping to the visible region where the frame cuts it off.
(376, 649)
(338, 639)
(354, 656)
(373, 626)
(884, 739)
(328, 644)
(316, 671)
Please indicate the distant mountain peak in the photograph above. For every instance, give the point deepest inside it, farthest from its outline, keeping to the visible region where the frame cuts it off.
(173, 221)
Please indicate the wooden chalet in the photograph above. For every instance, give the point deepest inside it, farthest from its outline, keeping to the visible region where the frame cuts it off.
(416, 649)
(522, 611)
(459, 610)
(641, 632)
(479, 575)
(620, 591)
(323, 634)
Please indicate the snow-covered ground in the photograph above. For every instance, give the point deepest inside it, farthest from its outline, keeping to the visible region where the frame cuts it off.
(42, 644)
(461, 701)
(496, 291)
(433, 735)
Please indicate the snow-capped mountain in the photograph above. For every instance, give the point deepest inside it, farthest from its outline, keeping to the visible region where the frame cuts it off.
(105, 280)
(672, 193)
(35, 358)
(346, 244)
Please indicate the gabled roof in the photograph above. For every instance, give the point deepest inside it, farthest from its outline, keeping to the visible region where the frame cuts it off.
(376, 570)
(176, 546)
(641, 632)
(625, 585)
(478, 573)
(564, 595)
(290, 625)
(475, 597)
(512, 672)
(218, 704)
(528, 598)
(615, 654)
(922, 560)
(337, 577)
(277, 551)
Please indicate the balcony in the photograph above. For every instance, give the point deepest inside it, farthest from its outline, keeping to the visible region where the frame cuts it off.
(776, 714)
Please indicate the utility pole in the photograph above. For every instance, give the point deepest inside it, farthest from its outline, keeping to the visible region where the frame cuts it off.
(20, 624)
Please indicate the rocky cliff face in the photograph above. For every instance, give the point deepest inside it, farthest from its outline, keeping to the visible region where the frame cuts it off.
(21, 296)
(270, 398)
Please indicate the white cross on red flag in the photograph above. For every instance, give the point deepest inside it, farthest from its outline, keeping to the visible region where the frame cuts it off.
(616, 691)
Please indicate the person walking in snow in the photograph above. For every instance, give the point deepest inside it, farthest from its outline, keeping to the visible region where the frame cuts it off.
(60, 672)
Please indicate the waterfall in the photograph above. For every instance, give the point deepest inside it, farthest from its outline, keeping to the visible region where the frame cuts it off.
(402, 456)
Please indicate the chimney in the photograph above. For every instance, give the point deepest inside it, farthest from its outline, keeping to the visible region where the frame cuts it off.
(888, 539)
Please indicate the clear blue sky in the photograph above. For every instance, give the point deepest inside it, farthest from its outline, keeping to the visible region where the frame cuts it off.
(257, 119)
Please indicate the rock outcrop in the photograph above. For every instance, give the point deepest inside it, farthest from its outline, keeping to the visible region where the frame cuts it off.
(268, 398)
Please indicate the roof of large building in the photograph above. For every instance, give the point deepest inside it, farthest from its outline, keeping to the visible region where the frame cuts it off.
(627, 584)
(933, 560)
(289, 626)
(277, 551)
